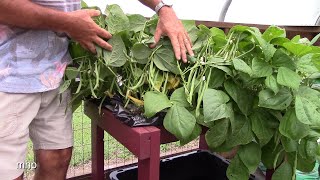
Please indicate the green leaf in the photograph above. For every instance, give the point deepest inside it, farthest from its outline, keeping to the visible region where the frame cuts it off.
(76, 50)
(195, 133)
(117, 57)
(296, 39)
(72, 72)
(279, 101)
(260, 68)
(179, 121)
(83, 4)
(217, 134)
(150, 107)
(305, 165)
(250, 155)
(215, 105)
(306, 66)
(289, 144)
(137, 22)
(237, 170)
(271, 83)
(307, 106)
(165, 60)
(189, 25)
(315, 39)
(273, 32)
(279, 41)
(216, 79)
(284, 172)
(291, 127)
(267, 49)
(297, 49)
(116, 19)
(289, 78)
(308, 149)
(262, 123)
(141, 52)
(179, 98)
(242, 97)
(270, 154)
(242, 66)
(281, 59)
(64, 86)
(242, 133)
(316, 60)
(224, 68)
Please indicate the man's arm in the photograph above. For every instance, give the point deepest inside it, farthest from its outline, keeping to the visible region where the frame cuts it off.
(172, 27)
(78, 24)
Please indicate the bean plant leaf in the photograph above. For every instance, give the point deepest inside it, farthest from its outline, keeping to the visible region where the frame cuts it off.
(179, 121)
(273, 32)
(291, 127)
(306, 66)
(289, 144)
(116, 19)
(217, 78)
(250, 155)
(308, 149)
(279, 101)
(282, 59)
(165, 60)
(215, 105)
(297, 49)
(242, 133)
(179, 98)
(64, 86)
(241, 96)
(289, 78)
(217, 133)
(271, 83)
(272, 152)
(242, 66)
(141, 52)
(195, 133)
(150, 107)
(137, 22)
(261, 68)
(316, 60)
(284, 172)
(305, 165)
(307, 106)
(117, 57)
(72, 72)
(237, 170)
(267, 49)
(262, 126)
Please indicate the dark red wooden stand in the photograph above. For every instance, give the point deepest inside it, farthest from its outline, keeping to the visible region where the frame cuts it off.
(143, 142)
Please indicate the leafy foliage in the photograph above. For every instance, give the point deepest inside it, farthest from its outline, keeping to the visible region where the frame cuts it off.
(252, 90)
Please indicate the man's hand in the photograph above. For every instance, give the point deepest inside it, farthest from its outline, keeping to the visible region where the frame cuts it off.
(84, 30)
(169, 25)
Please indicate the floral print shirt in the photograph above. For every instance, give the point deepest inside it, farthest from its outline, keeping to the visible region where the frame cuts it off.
(34, 60)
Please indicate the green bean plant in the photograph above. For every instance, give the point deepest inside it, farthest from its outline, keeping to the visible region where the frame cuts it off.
(252, 90)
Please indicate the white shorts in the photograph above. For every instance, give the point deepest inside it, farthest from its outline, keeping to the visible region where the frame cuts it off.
(40, 116)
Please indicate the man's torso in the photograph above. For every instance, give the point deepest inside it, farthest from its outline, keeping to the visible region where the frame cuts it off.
(34, 60)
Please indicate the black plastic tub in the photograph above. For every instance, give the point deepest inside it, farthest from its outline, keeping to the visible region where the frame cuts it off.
(196, 165)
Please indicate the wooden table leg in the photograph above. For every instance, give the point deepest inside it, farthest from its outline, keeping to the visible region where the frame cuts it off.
(97, 150)
(149, 169)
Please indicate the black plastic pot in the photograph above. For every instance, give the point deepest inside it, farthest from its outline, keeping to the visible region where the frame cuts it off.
(197, 165)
